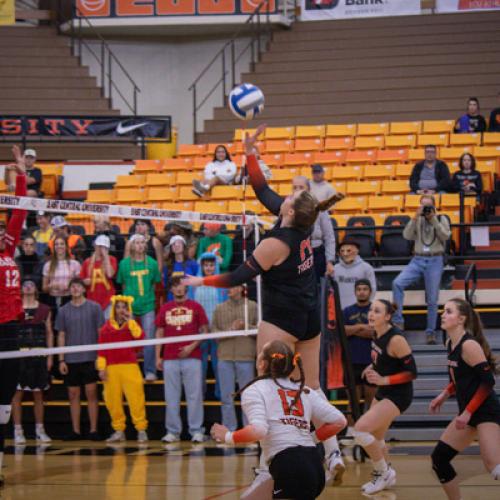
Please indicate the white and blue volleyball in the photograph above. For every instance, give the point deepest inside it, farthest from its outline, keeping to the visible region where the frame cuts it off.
(246, 101)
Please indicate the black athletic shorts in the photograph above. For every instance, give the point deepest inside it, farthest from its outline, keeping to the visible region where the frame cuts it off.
(489, 411)
(81, 374)
(298, 473)
(304, 325)
(33, 375)
(400, 396)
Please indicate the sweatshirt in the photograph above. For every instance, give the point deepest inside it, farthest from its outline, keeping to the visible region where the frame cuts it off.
(220, 245)
(429, 237)
(347, 274)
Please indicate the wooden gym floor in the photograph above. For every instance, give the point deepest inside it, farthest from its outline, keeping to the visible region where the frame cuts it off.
(93, 471)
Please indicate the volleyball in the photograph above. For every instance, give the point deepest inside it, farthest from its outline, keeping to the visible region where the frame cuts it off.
(246, 101)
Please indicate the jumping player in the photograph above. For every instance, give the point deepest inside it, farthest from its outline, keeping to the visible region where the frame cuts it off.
(392, 370)
(279, 412)
(11, 304)
(471, 367)
(285, 260)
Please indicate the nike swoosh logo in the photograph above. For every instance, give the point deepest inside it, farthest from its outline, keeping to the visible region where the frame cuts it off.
(120, 129)
(275, 492)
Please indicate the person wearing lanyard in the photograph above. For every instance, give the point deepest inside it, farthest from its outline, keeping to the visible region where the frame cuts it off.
(430, 233)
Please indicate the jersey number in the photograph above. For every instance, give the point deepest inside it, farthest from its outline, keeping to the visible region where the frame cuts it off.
(12, 278)
(287, 398)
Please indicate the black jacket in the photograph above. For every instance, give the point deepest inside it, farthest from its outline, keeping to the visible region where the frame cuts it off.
(442, 176)
(460, 179)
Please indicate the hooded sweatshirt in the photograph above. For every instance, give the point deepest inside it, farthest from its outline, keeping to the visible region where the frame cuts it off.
(347, 274)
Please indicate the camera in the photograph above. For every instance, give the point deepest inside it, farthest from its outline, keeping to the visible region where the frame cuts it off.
(427, 210)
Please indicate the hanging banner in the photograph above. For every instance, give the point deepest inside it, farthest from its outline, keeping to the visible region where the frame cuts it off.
(466, 5)
(86, 126)
(7, 12)
(323, 10)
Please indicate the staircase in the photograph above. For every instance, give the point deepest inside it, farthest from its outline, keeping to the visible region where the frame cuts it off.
(373, 70)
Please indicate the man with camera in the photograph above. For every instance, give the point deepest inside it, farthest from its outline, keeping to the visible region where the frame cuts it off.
(430, 232)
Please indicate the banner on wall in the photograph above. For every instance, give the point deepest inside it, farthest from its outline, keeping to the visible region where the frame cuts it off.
(86, 126)
(323, 10)
(7, 12)
(466, 5)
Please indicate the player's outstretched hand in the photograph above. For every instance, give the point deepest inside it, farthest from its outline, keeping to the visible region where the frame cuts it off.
(218, 432)
(250, 140)
(189, 280)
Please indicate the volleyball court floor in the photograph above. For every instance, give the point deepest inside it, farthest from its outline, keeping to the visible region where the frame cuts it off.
(90, 471)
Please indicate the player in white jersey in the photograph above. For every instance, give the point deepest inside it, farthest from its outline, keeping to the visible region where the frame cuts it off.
(279, 412)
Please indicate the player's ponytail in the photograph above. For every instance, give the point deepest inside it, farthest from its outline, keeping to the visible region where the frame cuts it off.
(307, 208)
(325, 205)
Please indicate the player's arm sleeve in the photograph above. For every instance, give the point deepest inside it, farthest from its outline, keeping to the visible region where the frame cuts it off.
(332, 419)
(269, 198)
(407, 374)
(487, 382)
(450, 389)
(242, 274)
(16, 221)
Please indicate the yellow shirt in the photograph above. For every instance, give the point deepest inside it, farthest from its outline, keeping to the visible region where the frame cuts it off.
(43, 236)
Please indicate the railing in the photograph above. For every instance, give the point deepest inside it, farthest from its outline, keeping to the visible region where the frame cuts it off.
(470, 292)
(260, 36)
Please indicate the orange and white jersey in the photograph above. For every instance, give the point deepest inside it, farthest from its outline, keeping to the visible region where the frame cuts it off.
(268, 408)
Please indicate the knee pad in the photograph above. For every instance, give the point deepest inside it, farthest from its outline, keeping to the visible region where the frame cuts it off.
(363, 439)
(5, 414)
(441, 457)
(495, 473)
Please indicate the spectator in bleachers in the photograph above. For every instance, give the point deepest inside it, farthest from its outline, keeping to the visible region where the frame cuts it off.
(43, 234)
(138, 274)
(78, 323)
(154, 247)
(472, 121)
(467, 180)
(236, 355)
(243, 175)
(98, 272)
(351, 268)
(180, 228)
(430, 175)
(220, 171)
(320, 188)
(102, 226)
(359, 336)
(34, 374)
(494, 125)
(62, 229)
(58, 273)
(322, 237)
(33, 175)
(178, 264)
(29, 262)
(219, 244)
(430, 233)
(181, 362)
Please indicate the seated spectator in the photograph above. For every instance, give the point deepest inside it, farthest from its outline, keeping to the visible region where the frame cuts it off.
(494, 125)
(181, 363)
(120, 372)
(33, 175)
(98, 272)
(236, 355)
(178, 264)
(349, 269)
(62, 229)
(243, 175)
(472, 121)
(467, 180)
(320, 188)
(43, 234)
(359, 337)
(154, 247)
(102, 225)
(218, 244)
(220, 171)
(180, 228)
(29, 263)
(34, 373)
(430, 175)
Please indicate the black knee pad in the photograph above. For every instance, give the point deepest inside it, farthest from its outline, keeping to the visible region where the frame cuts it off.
(441, 457)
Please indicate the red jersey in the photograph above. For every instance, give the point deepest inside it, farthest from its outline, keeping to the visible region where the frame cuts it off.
(101, 288)
(11, 305)
(177, 319)
(109, 333)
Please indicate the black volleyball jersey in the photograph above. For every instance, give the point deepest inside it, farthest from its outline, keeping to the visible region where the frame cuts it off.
(291, 284)
(464, 377)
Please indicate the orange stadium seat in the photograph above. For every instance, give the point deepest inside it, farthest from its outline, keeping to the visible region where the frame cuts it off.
(308, 145)
(278, 146)
(363, 188)
(215, 207)
(284, 174)
(126, 196)
(392, 155)
(339, 186)
(185, 206)
(146, 166)
(164, 179)
(329, 158)
(210, 150)
(161, 194)
(453, 153)
(285, 189)
(177, 163)
(272, 160)
(372, 129)
(401, 141)
(235, 207)
(395, 187)
(487, 152)
(125, 181)
(378, 172)
(239, 133)
(346, 173)
(341, 130)
(279, 133)
(104, 196)
(295, 159)
(465, 139)
(412, 202)
(185, 194)
(487, 171)
(438, 126)
(387, 203)
(361, 157)
(350, 205)
(192, 150)
(415, 155)
(185, 178)
(403, 171)
(435, 139)
(369, 142)
(200, 162)
(336, 143)
(227, 192)
(310, 131)
(491, 139)
(405, 128)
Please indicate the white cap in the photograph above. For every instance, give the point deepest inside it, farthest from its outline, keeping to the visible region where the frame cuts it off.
(136, 237)
(175, 238)
(58, 221)
(30, 152)
(102, 241)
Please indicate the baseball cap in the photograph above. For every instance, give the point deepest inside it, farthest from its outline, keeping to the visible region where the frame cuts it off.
(316, 167)
(58, 221)
(176, 238)
(349, 241)
(28, 279)
(30, 152)
(136, 237)
(102, 241)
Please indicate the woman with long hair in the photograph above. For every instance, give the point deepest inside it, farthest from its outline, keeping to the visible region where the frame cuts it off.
(178, 264)
(467, 180)
(392, 370)
(279, 411)
(284, 259)
(154, 248)
(471, 367)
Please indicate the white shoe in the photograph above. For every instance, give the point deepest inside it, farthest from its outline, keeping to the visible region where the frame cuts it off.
(142, 436)
(19, 437)
(262, 486)
(380, 481)
(335, 468)
(116, 437)
(170, 438)
(198, 437)
(42, 437)
(150, 377)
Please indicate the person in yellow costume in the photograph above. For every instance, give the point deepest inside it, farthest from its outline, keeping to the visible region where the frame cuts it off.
(120, 372)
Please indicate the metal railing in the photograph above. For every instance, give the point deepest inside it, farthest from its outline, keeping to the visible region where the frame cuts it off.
(260, 35)
(470, 291)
